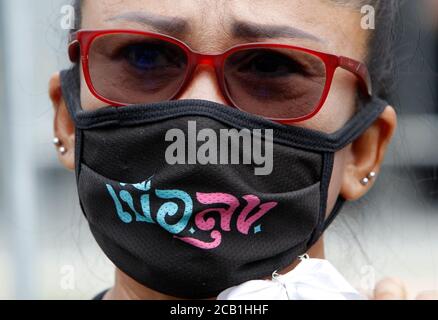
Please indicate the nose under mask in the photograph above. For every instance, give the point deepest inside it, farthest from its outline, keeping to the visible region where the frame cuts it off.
(193, 230)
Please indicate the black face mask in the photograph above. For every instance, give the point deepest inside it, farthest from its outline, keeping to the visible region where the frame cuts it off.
(193, 230)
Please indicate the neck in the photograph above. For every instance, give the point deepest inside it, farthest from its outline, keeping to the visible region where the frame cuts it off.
(126, 288)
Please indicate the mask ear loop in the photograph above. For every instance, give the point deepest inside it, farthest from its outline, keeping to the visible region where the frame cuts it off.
(360, 122)
(328, 221)
(70, 86)
(336, 209)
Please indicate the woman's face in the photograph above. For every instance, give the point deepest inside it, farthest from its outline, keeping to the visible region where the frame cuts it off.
(213, 26)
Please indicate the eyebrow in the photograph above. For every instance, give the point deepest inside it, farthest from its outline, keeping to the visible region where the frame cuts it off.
(240, 29)
(172, 25)
(249, 30)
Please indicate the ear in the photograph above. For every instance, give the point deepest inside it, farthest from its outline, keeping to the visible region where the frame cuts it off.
(366, 155)
(64, 128)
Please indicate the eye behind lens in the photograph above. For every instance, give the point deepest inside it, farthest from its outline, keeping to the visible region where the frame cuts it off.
(134, 69)
(147, 56)
(265, 63)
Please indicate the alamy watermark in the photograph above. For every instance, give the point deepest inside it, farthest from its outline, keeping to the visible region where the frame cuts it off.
(367, 279)
(224, 147)
(67, 277)
(368, 21)
(68, 17)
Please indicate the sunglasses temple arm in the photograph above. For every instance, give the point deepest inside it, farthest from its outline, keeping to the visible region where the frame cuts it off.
(73, 47)
(360, 70)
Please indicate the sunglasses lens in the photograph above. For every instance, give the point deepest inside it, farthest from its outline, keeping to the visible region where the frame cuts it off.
(133, 69)
(275, 83)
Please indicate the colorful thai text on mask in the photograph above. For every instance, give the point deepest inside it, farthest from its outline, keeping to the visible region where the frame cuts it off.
(252, 211)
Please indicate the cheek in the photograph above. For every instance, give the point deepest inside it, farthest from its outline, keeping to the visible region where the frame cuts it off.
(337, 178)
(88, 100)
(341, 101)
(339, 107)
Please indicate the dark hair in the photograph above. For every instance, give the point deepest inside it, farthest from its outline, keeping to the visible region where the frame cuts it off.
(380, 58)
(381, 43)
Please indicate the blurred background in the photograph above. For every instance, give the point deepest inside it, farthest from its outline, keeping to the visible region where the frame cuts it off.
(46, 249)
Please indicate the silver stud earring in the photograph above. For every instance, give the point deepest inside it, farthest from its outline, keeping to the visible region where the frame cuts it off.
(62, 150)
(371, 175)
(56, 141)
(368, 178)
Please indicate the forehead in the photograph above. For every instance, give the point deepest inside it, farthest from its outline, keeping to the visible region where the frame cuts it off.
(209, 24)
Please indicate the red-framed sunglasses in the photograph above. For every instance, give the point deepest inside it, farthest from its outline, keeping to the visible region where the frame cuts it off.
(280, 82)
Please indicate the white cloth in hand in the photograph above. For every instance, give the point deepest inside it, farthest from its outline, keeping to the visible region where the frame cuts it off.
(312, 279)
